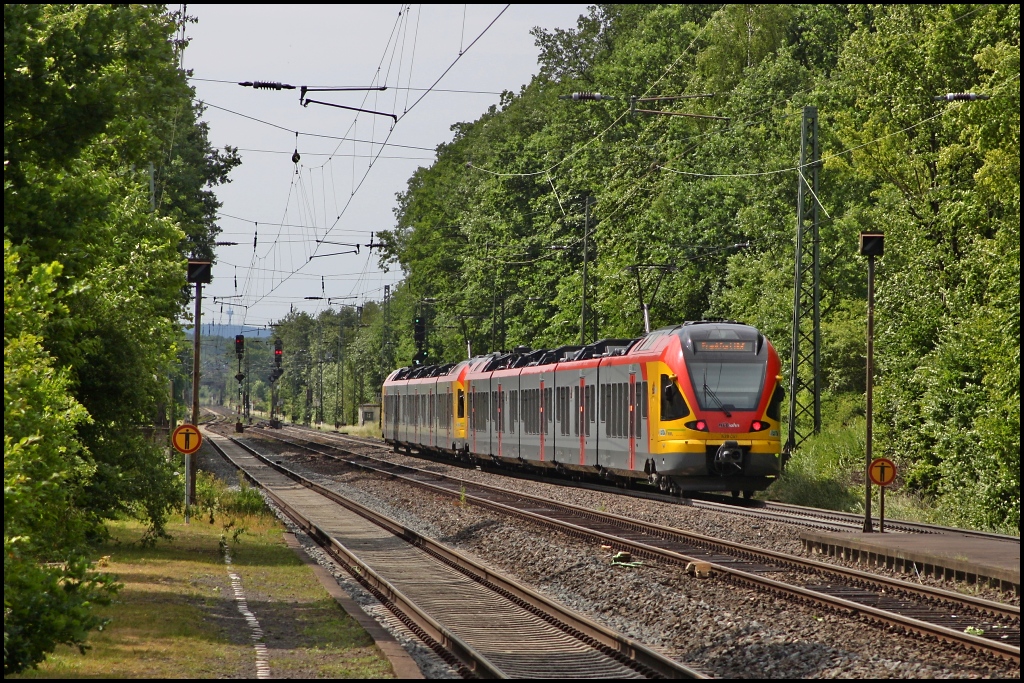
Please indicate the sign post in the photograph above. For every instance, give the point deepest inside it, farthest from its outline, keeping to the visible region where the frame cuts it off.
(871, 245)
(199, 273)
(187, 439)
(882, 472)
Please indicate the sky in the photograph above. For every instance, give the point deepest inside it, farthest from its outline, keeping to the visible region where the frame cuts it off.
(304, 216)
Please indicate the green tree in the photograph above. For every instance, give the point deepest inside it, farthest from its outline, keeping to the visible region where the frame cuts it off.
(48, 588)
(704, 210)
(92, 97)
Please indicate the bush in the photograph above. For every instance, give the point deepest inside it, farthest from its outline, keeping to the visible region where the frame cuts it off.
(214, 496)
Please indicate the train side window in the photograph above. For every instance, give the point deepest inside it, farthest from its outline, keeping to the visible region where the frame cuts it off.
(603, 402)
(673, 407)
(547, 402)
(610, 425)
(613, 406)
(775, 406)
(624, 409)
(462, 403)
(565, 416)
(513, 412)
(638, 391)
(589, 409)
(576, 410)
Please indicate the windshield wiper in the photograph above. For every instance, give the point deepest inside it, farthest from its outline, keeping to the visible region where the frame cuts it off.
(714, 396)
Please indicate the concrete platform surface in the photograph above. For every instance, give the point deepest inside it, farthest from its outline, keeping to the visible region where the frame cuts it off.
(955, 556)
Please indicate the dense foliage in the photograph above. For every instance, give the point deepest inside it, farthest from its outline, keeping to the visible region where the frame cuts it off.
(94, 275)
(696, 216)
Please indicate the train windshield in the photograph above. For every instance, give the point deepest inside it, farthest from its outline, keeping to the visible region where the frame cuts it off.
(727, 385)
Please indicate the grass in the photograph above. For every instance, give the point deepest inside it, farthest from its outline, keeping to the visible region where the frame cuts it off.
(176, 617)
(827, 471)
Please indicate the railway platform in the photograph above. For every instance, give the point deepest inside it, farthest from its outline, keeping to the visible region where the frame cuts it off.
(965, 557)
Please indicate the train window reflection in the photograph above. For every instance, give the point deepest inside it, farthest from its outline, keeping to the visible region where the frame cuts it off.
(727, 386)
(673, 407)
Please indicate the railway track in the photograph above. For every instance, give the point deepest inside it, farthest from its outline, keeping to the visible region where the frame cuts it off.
(814, 518)
(480, 622)
(893, 603)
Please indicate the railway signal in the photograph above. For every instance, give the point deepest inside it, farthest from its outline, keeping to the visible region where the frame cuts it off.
(278, 352)
(419, 335)
(239, 345)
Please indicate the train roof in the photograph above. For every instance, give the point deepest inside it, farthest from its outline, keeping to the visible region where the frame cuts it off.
(523, 356)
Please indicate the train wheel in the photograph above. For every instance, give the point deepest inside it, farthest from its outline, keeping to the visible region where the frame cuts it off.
(735, 494)
(747, 495)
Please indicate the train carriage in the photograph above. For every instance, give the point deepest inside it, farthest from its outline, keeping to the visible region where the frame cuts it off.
(690, 407)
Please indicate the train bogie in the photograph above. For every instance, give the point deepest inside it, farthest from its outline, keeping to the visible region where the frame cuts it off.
(690, 407)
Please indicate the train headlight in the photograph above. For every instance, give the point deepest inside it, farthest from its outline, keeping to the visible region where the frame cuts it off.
(697, 425)
(759, 426)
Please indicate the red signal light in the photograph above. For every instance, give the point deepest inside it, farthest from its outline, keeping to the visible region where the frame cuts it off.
(757, 426)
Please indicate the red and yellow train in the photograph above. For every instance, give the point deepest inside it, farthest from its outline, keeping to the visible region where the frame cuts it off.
(692, 407)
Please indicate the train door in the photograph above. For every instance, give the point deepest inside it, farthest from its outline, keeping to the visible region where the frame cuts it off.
(473, 425)
(632, 418)
(512, 431)
(400, 412)
(529, 416)
(430, 417)
(499, 416)
(416, 416)
(566, 450)
(460, 409)
(548, 439)
(587, 416)
(394, 416)
(613, 412)
(447, 417)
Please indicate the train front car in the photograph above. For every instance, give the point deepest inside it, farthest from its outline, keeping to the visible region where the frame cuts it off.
(720, 409)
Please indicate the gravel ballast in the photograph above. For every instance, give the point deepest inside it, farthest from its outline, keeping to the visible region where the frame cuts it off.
(711, 624)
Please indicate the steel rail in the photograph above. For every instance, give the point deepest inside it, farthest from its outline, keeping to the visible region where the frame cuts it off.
(612, 644)
(819, 518)
(858, 578)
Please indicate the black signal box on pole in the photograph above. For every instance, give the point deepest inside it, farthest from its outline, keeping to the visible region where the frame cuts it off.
(872, 244)
(200, 272)
(239, 345)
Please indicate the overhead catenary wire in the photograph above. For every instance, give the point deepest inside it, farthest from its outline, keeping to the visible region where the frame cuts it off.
(276, 284)
(390, 87)
(370, 166)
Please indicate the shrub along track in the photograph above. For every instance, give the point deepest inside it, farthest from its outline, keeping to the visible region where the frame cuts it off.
(889, 602)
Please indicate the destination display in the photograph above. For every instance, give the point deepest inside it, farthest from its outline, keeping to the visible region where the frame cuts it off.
(725, 345)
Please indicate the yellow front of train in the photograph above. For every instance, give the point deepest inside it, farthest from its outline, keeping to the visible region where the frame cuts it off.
(715, 410)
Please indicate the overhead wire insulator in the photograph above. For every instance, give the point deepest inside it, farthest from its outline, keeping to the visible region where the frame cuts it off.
(959, 97)
(581, 96)
(267, 85)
